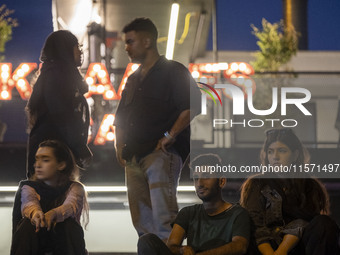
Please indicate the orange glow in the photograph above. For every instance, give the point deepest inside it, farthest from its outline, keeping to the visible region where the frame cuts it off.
(237, 73)
(204, 67)
(238, 67)
(130, 69)
(97, 77)
(105, 131)
(18, 79)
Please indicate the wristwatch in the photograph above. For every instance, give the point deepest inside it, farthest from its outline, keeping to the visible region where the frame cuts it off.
(167, 135)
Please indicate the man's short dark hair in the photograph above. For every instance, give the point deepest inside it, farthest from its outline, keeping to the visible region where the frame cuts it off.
(142, 25)
(208, 159)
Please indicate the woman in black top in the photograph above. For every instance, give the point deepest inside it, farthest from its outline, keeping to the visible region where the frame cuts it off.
(57, 108)
(289, 214)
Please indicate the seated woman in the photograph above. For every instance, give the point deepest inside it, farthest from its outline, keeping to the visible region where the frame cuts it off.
(289, 214)
(48, 206)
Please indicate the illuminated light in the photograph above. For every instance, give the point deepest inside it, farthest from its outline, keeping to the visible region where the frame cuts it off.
(10, 82)
(17, 79)
(222, 66)
(111, 118)
(21, 83)
(4, 75)
(101, 73)
(242, 67)
(107, 122)
(101, 188)
(109, 94)
(25, 67)
(215, 67)
(5, 68)
(201, 68)
(20, 73)
(101, 140)
(172, 31)
(104, 128)
(234, 67)
(104, 188)
(81, 17)
(110, 136)
(100, 89)
(195, 74)
(97, 74)
(233, 76)
(27, 94)
(128, 72)
(208, 68)
(192, 67)
(89, 80)
(93, 88)
(105, 86)
(134, 67)
(96, 68)
(5, 94)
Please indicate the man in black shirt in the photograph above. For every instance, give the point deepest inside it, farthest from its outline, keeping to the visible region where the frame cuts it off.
(152, 129)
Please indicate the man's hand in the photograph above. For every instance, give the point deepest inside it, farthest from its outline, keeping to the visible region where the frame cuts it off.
(164, 143)
(119, 150)
(38, 220)
(50, 219)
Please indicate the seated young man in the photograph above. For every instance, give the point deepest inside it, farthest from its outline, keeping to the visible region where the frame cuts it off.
(213, 227)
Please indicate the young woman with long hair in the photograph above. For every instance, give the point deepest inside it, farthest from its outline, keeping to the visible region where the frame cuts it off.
(289, 212)
(57, 108)
(49, 205)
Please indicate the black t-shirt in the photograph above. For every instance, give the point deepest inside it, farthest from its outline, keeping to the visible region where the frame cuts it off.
(206, 232)
(150, 107)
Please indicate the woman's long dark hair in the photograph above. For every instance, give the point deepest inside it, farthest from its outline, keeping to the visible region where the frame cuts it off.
(318, 199)
(57, 54)
(59, 47)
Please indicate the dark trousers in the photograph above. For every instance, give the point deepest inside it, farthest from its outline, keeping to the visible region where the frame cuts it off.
(320, 237)
(150, 244)
(66, 238)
